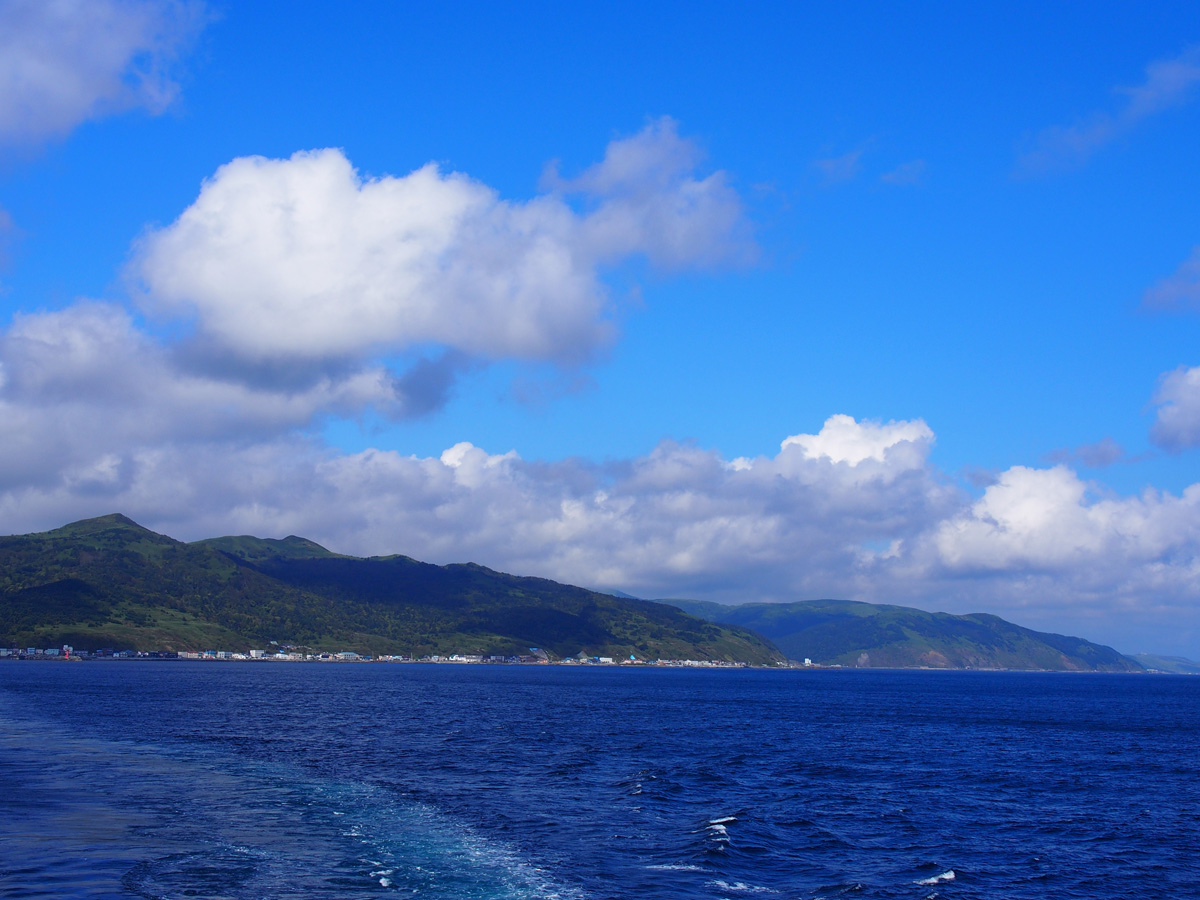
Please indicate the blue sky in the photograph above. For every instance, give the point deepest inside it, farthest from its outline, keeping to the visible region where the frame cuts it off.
(658, 241)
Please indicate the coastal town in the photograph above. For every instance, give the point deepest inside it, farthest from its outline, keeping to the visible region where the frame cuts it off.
(288, 653)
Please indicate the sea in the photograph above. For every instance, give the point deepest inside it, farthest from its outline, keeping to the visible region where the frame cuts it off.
(172, 779)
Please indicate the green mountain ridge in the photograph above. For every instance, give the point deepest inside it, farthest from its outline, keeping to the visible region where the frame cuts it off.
(1171, 665)
(849, 633)
(109, 582)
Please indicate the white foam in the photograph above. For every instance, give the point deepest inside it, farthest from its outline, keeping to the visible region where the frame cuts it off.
(948, 875)
(740, 887)
(723, 820)
(414, 854)
(676, 867)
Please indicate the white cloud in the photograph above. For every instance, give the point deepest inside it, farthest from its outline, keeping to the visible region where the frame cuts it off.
(842, 439)
(63, 62)
(1177, 420)
(1102, 552)
(1168, 83)
(644, 200)
(1029, 517)
(304, 259)
(1180, 290)
(83, 383)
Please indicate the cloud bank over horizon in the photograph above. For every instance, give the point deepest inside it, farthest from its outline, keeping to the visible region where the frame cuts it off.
(856, 510)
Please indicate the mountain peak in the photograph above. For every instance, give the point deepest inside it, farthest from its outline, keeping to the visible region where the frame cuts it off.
(109, 531)
(113, 522)
(109, 521)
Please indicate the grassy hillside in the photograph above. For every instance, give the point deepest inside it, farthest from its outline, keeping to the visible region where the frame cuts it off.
(839, 632)
(108, 582)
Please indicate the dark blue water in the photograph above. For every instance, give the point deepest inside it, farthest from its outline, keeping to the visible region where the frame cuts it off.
(261, 780)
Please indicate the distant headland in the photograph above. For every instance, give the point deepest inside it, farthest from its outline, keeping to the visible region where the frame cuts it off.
(108, 584)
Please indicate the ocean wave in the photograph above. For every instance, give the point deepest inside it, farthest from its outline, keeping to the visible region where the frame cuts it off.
(948, 875)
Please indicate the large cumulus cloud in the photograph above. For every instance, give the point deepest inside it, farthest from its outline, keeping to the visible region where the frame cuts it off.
(306, 260)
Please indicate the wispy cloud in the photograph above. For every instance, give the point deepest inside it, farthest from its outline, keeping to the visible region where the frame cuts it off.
(1168, 83)
(7, 230)
(1178, 291)
(1104, 452)
(836, 170)
(63, 62)
(906, 174)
